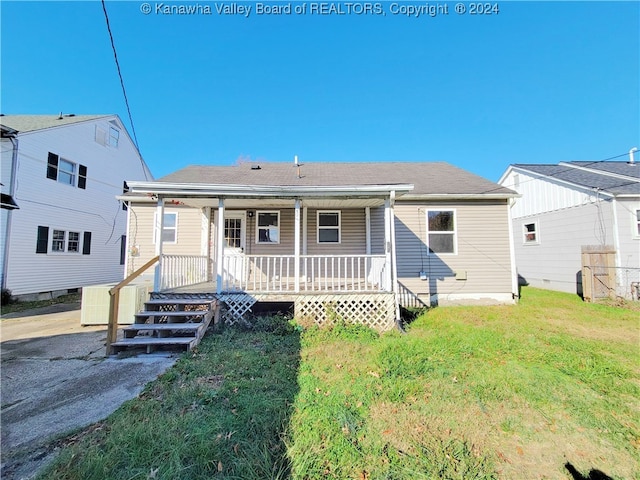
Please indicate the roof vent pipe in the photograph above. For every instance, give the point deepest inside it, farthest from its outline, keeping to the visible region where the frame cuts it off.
(631, 159)
(297, 165)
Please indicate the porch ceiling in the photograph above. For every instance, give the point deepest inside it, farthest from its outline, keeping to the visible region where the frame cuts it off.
(252, 203)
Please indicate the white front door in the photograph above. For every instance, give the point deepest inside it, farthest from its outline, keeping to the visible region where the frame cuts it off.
(235, 267)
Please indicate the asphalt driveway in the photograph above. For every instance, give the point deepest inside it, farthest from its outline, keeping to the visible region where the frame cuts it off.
(55, 379)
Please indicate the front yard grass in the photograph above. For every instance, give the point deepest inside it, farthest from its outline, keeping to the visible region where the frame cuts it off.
(513, 392)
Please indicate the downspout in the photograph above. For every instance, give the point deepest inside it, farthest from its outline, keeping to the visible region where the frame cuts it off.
(12, 191)
(515, 290)
(616, 241)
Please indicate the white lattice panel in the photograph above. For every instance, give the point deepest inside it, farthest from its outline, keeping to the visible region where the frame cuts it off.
(235, 307)
(373, 310)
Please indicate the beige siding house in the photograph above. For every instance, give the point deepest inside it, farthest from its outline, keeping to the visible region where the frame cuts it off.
(334, 239)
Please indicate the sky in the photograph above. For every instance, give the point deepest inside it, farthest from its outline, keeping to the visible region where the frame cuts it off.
(524, 82)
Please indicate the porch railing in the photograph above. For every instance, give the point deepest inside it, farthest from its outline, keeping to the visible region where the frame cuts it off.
(276, 273)
(181, 270)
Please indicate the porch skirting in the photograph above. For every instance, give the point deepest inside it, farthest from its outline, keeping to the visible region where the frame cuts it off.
(374, 310)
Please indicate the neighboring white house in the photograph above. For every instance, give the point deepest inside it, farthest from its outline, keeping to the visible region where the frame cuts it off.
(64, 172)
(571, 205)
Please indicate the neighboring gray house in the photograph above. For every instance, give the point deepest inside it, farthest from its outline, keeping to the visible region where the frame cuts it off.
(346, 236)
(572, 205)
(64, 172)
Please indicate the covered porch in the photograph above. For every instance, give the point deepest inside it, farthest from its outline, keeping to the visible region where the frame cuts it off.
(333, 247)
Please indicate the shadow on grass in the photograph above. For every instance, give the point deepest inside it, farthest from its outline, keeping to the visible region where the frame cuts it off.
(223, 410)
(593, 474)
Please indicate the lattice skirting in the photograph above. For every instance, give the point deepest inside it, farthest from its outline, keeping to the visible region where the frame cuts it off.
(375, 310)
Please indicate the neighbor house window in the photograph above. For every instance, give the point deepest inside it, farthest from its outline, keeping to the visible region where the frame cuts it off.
(169, 229)
(62, 241)
(530, 232)
(114, 137)
(65, 171)
(638, 223)
(268, 230)
(329, 227)
(441, 231)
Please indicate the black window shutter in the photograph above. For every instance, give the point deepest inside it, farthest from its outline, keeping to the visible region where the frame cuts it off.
(43, 239)
(82, 177)
(52, 166)
(123, 249)
(86, 244)
(125, 189)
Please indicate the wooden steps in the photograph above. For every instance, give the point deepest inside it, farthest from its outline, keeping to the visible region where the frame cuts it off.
(168, 323)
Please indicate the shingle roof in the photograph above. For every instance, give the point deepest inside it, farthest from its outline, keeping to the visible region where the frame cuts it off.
(624, 181)
(432, 178)
(29, 123)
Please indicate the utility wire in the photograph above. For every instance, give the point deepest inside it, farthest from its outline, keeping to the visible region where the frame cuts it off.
(124, 92)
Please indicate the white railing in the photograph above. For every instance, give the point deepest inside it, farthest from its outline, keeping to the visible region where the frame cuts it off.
(182, 270)
(317, 273)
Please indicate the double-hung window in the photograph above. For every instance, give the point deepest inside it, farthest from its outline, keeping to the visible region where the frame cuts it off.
(268, 230)
(64, 171)
(329, 227)
(169, 229)
(441, 231)
(63, 241)
(637, 228)
(530, 233)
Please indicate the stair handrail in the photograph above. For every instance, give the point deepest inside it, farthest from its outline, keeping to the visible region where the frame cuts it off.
(114, 302)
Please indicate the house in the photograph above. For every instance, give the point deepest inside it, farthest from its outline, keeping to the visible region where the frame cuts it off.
(571, 208)
(64, 172)
(333, 239)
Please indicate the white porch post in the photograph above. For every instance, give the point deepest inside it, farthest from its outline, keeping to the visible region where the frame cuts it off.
(220, 246)
(394, 263)
(296, 246)
(305, 233)
(387, 244)
(205, 241)
(367, 226)
(159, 228)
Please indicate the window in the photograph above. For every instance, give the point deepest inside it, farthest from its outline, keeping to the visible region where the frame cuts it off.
(329, 227)
(64, 171)
(125, 189)
(114, 137)
(268, 230)
(62, 241)
(530, 232)
(57, 241)
(73, 242)
(123, 249)
(638, 222)
(441, 231)
(170, 228)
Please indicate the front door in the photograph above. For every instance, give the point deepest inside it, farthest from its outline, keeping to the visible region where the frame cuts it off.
(235, 266)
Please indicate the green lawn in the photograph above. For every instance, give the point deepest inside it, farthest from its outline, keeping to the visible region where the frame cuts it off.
(512, 392)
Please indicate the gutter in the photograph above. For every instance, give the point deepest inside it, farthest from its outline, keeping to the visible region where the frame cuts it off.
(12, 189)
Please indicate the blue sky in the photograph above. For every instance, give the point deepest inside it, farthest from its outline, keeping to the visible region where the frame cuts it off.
(538, 82)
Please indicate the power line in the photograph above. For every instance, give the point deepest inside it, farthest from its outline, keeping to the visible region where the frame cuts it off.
(124, 92)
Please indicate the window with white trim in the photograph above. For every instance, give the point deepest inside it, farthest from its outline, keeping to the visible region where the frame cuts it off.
(441, 232)
(530, 233)
(169, 229)
(268, 227)
(329, 223)
(637, 232)
(62, 241)
(64, 171)
(114, 137)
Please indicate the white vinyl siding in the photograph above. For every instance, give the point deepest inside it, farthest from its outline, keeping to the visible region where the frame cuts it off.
(46, 202)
